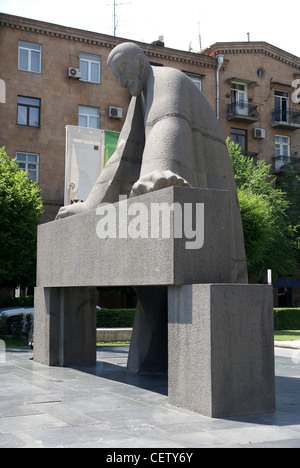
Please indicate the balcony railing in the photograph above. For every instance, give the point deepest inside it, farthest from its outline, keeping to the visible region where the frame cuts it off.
(286, 118)
(281, 162)
(242, 111)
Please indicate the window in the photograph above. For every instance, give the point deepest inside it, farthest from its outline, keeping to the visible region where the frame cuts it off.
(88, 117)
(282, 151)
(29, 111)
(90, 68)
(239, 136)
(281, 106)
(30, 57)
(197, 80)
(261, 73)
(29, 163)
(2, 92)
(239, 98)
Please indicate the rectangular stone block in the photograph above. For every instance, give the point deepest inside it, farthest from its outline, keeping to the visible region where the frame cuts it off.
(221, 349)
(65, 326)
(143, 251)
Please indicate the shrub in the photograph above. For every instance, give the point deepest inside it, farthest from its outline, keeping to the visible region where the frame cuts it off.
(28, 324)
(3, 324)
(17, 326)
(287, 319)
(19, 301)
(115, 318)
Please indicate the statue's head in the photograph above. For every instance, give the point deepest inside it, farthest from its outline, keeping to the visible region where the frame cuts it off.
(128, 63)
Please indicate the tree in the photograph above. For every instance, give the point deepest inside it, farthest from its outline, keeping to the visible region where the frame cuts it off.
(268, 230)
(20, 211)
(289, 182)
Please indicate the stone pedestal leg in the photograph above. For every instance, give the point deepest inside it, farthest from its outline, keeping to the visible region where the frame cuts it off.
(221, 349)
(149, 342)
(65, 326)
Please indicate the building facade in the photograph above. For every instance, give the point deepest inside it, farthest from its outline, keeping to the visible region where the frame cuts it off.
(259, 107)
(57, 77)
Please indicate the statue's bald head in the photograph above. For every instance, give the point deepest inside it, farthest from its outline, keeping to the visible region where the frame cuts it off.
(128, 63)
(125, 51)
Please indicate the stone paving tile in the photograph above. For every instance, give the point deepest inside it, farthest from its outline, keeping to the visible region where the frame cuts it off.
(106, 407)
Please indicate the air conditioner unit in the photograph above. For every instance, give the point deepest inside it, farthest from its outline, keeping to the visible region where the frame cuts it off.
(74, 73)
(115, 112)
(259, 133)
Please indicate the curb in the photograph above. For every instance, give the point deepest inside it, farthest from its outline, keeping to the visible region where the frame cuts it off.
(287, 344)
(113, 334)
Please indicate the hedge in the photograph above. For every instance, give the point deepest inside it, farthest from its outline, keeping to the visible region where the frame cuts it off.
(284, 318)
(115, 318)
(287, 319)
(19, 302)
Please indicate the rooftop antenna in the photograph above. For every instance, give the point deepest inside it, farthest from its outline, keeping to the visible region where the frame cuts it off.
(115, 5)
(200, 44)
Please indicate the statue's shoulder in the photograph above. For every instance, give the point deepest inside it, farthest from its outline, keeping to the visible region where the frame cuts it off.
(175, 85)
(168, 73)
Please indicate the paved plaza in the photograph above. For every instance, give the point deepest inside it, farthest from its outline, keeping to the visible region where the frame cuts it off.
(105, 407)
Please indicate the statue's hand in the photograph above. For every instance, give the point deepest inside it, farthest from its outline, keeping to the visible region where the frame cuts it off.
(70, 210)
(155, 181)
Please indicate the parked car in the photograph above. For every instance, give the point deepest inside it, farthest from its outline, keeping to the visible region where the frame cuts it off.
(11, 314)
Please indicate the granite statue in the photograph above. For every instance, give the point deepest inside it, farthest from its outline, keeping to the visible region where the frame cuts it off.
(197, 316)
(170, 138)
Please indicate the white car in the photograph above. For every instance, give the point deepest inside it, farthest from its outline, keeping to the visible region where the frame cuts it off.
(11, 314)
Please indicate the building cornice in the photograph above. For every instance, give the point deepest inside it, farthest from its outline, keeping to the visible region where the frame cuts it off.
(63, 32)
(225, 48)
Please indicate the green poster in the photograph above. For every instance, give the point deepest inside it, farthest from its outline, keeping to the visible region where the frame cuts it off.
(110, 143)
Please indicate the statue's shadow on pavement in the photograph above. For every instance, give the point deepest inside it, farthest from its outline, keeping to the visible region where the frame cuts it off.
(111, 365)
(287, 406)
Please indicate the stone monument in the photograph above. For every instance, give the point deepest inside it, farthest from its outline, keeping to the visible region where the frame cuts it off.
(197, 316)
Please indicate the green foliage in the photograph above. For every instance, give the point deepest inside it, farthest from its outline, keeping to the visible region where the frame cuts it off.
(20, 210)
(115, 318)
(17, 326)
(287, 319)
(28, 324)
(19, 301)
(257, 225)
(3, 323)
(290, 184)
(269, 233)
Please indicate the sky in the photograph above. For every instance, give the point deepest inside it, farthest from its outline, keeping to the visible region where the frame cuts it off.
(184, 24)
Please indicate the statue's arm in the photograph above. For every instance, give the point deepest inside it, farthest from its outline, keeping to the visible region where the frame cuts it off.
(166, 157)
(100, 190)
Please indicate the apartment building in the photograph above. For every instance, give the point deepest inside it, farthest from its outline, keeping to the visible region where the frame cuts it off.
(259, 108)
(56, 77)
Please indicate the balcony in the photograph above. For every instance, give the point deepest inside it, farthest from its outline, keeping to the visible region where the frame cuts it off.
(250, 155)
(286, 118)
(242, 111)
(281, 163)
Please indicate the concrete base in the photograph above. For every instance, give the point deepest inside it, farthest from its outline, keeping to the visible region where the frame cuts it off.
(65, 326)
(72, 251)
(149, 343)
(221, 349)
